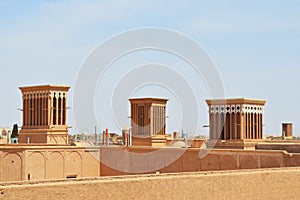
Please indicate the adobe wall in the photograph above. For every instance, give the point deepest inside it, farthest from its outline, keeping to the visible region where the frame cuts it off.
(60, 162)
(290, 147)
(3, 140)
(34, 137)
(280, 183)
(51, 162)
(124, 161)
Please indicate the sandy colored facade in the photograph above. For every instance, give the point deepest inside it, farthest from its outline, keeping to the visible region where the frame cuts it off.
(4, 134)
(44, 114)
(148, 121)
(236, 119)
(47, 162)
(174, 160)
(62, 162)
(148, 116)
(280, 183)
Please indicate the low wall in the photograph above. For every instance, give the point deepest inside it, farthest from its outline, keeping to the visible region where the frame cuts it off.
(125, 161)
(61, 162)
(289, 147)
(47, 162)
(280, 183)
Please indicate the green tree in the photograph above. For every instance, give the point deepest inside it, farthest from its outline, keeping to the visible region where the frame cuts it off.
(15, 132)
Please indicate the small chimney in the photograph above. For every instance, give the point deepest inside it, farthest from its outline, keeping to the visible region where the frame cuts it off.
(175, 135)
(287, 130)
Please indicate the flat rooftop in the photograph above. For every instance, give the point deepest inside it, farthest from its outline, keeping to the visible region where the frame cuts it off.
(236, 101)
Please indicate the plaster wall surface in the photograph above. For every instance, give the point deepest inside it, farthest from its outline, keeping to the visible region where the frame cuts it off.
(117, 161)
(290, 147)
(47, 162)
(283, 183)
(61, 162)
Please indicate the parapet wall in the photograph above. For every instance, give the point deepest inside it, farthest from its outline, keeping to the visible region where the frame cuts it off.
(47, 162)
(290, 147)
(118, 161)
(61, 162)
(280, 183)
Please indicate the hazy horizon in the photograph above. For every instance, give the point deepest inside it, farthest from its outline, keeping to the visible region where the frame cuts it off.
(254, 44)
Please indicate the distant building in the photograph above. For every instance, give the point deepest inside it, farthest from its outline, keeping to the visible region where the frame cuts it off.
(236, 119)
(4, 132)
(5, 135)
(44, 114)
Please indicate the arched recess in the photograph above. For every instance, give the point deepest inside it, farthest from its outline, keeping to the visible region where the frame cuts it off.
(36, 166)
(55, 164)
(238, 126)
(212, 129)
(91, 164)
(11, 167)
(233, 134)
(73, 164)
(271, 161)
(64, 111)
(41, 111)
(222, 128)
(31, 112)
(54, 117)
(228, 162)
(227, 126)
(59, 110)
(252, 126)
(255, 136)
(217, 126)
(210, 162)
(248, 162)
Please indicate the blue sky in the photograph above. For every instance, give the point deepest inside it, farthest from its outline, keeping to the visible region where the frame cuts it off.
(255, 45)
